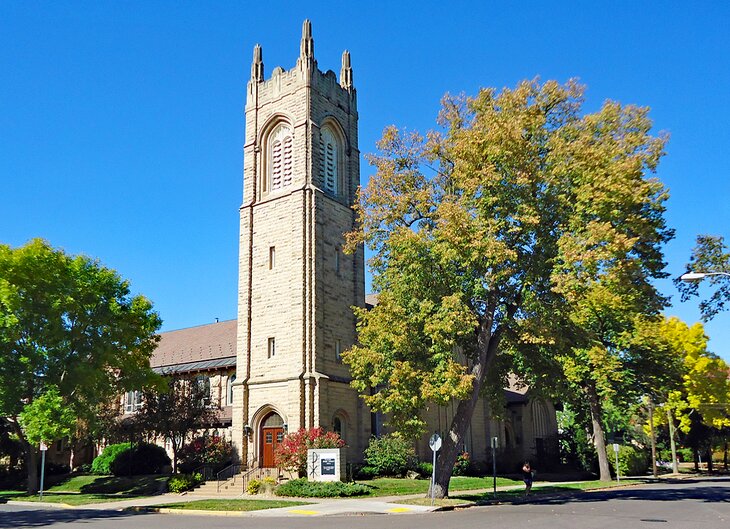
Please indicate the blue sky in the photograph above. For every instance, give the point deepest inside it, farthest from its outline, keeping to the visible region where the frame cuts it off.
(122, 123)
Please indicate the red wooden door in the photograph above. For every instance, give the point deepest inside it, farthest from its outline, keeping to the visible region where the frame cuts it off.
(271, 437)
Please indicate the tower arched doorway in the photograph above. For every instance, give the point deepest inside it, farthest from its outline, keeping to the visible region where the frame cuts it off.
(271, 434)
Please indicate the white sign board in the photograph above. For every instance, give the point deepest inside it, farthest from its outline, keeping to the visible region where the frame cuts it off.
(44, 446)
(326, 464)
(615, 447)
(435, 442)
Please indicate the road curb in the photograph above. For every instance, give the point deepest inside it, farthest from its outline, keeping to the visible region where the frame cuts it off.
(194, 512)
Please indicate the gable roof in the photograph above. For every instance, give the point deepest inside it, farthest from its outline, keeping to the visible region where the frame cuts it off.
(196, 348)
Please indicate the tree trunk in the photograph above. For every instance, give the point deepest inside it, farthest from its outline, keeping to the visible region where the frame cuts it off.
(599, 440)
(710, 468)
(174, 456)
(30, 454)
(672, 443)
(653, 438)
(724, 456)
(696, 457)
(31, 460)
(454, 440)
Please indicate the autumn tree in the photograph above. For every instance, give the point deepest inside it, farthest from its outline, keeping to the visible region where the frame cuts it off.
(519, 209)
(710, 257)
(705, 392)
(71, 336)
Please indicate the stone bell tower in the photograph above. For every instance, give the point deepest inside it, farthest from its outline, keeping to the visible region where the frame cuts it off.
(296, 286)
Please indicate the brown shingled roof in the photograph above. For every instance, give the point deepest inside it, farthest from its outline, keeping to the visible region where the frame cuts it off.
(196, 344)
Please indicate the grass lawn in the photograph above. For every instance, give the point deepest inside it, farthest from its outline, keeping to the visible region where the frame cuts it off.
(231, 505)
(396, 486)
(80, 490)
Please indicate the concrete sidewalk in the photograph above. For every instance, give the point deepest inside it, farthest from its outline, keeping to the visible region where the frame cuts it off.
(316, 507)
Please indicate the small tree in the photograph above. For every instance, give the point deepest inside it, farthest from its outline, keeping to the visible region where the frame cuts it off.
(291, 453)
(175, 414)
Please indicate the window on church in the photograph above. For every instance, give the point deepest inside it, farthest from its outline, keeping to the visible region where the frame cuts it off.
(280, 158)
(229, 389)
(272, 347)
(272, 257)
(338, 426)
(203, 383)
(132, 401)
(337, 261)
(328, 153)
(338, 349)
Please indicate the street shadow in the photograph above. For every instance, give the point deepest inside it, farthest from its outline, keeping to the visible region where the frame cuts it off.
(705, 490)
(45, 517)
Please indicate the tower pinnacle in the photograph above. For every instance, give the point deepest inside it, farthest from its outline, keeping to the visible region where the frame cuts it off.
(346, 71)
(257, 67)
(307, 44)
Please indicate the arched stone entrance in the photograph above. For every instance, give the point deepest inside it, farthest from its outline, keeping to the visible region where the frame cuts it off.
(271, 433)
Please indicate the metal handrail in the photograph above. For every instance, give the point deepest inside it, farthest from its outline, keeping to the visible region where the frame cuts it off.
(227, 473)
(205, 470)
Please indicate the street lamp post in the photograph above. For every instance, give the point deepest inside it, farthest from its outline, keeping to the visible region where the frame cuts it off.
(690, 277)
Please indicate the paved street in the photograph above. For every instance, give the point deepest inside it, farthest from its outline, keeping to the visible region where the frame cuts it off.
(692, 504)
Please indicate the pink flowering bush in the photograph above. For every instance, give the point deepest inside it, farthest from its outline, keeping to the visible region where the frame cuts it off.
(291, 453)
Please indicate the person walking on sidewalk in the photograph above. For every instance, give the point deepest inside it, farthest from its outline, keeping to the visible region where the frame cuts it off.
(527, 475)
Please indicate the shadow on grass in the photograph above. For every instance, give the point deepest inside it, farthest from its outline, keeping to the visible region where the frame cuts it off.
(45, 517)
(134, 486)
(706, 490)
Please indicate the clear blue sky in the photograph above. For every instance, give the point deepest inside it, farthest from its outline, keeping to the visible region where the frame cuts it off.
(121, 124)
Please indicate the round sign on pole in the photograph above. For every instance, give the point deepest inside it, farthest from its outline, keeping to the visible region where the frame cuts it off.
(435, 442)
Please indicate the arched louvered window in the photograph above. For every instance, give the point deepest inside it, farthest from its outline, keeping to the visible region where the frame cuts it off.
(280, 158)
(328, 161)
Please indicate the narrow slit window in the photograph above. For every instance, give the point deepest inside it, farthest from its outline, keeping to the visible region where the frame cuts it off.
(328, 154)
(338, 349)
(272, 347)
(272, 257)
(337, 261)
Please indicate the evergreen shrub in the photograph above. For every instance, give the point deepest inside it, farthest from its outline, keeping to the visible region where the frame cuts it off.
(390, 456)
(301, 488)
(102, 463)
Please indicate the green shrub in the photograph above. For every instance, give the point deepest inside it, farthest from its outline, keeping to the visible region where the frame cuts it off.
(685, 454)
(390, 456)
(183, 482)
(631, 461)
(366, 472)
(425, 469)
(254, 486)
(302, 488)
(142, 458)
(102, 463)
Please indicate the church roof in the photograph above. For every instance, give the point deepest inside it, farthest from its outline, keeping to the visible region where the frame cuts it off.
(196, 348)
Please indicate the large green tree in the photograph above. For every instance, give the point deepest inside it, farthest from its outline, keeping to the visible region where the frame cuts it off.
(491, 234)
(71, 334)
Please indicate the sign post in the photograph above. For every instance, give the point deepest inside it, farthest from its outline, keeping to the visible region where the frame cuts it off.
(435, 443)
(615, 449)
(495, 445)
(44, 449)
